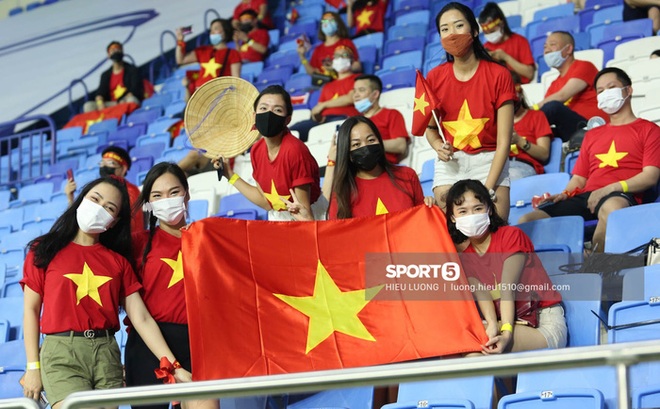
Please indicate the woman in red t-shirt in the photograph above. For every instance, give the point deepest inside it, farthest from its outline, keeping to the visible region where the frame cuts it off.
(512, 289)
(80, 272)
(216, 60)
(504, 45)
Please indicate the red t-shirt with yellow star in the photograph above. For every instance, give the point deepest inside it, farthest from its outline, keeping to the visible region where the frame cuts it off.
(371, 17)
(161, 276)
(253, 5)
(323, 52)
(210, 61)
(381, 196)
(391, 125)
(335, 89)
(517, 47)
(259, 36)
(612, 153)
(469, 108)
(293, 166)
(487, 268)
(585, 102)
(117, 88)
(532, 126)
(81, 288)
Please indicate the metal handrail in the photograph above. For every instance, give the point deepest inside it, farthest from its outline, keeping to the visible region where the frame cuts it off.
(169, 69)
(207, 22)
(19, 403)
(619, 355)
(85, 97)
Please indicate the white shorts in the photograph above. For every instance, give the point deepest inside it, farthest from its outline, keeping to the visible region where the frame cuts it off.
(552, 325)
(465, 166)
(319, 208)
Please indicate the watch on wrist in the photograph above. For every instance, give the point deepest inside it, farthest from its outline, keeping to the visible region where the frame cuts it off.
(492, 194)
(526, 146)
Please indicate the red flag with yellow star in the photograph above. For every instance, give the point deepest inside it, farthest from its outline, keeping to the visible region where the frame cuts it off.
(425, 102)
(86, 119)
(268, 298)
(336, 3)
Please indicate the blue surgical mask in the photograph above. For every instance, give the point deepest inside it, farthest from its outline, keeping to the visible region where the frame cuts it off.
(554, 59)
(363, 105)
(329, 28)
(215, 39)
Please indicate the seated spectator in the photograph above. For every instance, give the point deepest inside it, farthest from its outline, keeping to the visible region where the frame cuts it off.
(216, 60)
(390, 122)
(639, 9)
(251, 42)
(617, 161)
(258, 6)
(333, 34)
(336, 99)
(115, 161)
(367, 16)
(121, 83)
(570, 101)
(531, 139)
(655, 54)
(499, 258)
(504, 45)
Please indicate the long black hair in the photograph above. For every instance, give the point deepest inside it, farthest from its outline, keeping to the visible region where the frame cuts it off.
(479, 51)
(344, 187)
(154, 173)
(493, 12)
(455, 198)
(117, 238)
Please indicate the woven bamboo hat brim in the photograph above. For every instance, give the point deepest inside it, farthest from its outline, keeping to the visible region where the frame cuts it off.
(219, 117)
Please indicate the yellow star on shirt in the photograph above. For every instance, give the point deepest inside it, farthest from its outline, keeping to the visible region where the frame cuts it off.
(331, 310)
(364, 19)
(274, 198)
(495, 293)
(466, 129)
(211, 68)
(88, 284)
(119, 91)
(335, 96)
(421, 104)
(380, 207)
(177, 269)
(610, 158)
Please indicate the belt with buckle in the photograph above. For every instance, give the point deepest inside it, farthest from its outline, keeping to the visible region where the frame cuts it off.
(88, 333)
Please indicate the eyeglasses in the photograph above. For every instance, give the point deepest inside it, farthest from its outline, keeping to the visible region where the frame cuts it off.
(327, 20)
(109, 163)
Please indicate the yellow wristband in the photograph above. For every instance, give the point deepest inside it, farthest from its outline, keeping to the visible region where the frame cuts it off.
(507, 327)
(535, 107)
(234, 178)
(624, 186)
(33, 365)
(304, 61)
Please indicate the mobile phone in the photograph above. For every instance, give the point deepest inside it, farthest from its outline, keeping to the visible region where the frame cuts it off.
(337, 133)
(545, 204)
(43, 401)
(186, 30)
(69, 174)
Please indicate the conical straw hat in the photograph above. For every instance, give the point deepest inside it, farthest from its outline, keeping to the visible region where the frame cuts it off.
(219, 117)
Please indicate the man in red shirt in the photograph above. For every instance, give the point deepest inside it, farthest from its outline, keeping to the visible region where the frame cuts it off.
(570, 101)
(390, 122)
(251, 42)
(259, 6)
(618, 162)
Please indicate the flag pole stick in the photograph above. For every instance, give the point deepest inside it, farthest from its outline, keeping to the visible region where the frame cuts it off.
(442, 135)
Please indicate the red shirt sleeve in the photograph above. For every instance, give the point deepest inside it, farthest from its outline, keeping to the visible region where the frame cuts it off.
(303, 168)
(260, 36)
(652, 146)
(397, 125)
(505, 89)
(33, 276)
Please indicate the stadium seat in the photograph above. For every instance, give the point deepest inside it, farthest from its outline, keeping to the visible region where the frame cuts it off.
(12, 357)
(12, 217)
(11, 309)
(592, 6)
(641, 283)
(279, 75)
(156, 101)
(645, 385)
(581, 294)
(428, 170)
(174, 109)
(608, 15)
(152, 150)
(238, 202)
(161, 138)
(375, 39)
(554, 161)
(143, 115)
(631, 227)
(33, 194)
(522, 191)
(544, 234)
(400, 45)
(172, 155)
(408, 58)
(636, 49)
(560, 10)
(476, 392)
(398, 79)
(604, 31)
(539, 28)
(369, 59)
(197, 209)
(107, 125)
(298, 83)
(68, 134)
(413, 17)
(129, 133)
(353, 398)
(623, 315)
(410, 30)
(283, 58)
(324, 133)
(162, 125)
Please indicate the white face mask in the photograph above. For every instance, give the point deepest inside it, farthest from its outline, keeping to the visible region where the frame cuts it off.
(341, 64)
(611, 100)
(473, 225)
(554, 59)
(93, 218)
(495, 36)
(170, 210)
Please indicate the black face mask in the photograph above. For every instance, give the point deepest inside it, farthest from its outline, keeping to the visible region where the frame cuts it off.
(117, 56)
(245, 27)
(367, 157)
(270, 124)
(106, 171)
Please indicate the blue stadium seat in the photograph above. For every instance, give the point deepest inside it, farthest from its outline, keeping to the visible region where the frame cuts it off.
(172, 155)
(407, 6)
(645, 385)
(592, 6)
(33, 194)
(567, 23)
(431, 63)
(151, 150)
(413, 17)
(413, 58)
(12, 356)
(369, 59)
(275, 74)
(543, 234)
(428, 169)
(197, 209)
(410, 30)
(162, 138)
(554, 161)
(43, 224)
(84, 176)
(175, 108)
(298, 83)
(107, 125)
(608, 15)
(631, 227)
(12, 217)
(68, 134)
(11, 309)
(283, 58)
(143, 115)
(241, 214)
(631, 312)
(54, 179)
(398, 79)
(156, 101)
(14, 11)
(140, 164)
(307, 26)
(12, 257)
(547, 13)
(400, 45)
(4, 329)
(569, 161)
(21, 238)
(128, 133)
(581, 294)
(51, 210)
(603, 32)
(375, 39)
(161, 125)
(237, 202)
(476, 392)
(522, 191)
(353, 398)
(433, 50)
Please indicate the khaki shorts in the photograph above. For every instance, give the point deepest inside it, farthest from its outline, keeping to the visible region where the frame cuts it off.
(552, 325)
(73, 364)
(465, 166)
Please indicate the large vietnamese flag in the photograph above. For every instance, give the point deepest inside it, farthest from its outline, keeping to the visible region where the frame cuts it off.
(425, 102)
(86, 119)
(277, 297)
